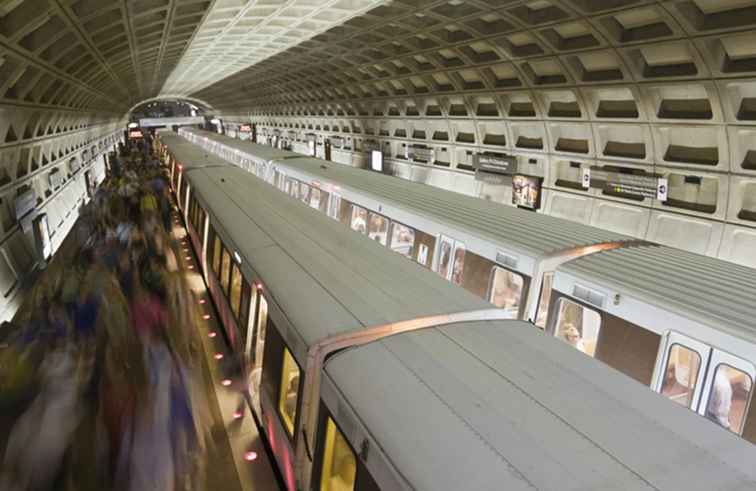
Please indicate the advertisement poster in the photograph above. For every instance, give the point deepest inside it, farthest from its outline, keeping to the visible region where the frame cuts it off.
(526, 191)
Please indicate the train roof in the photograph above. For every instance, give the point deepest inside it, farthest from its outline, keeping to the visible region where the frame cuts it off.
(326, 278)
(699, 287)
(536, 234)
(265, 153)
(189, 154)
(499, 405)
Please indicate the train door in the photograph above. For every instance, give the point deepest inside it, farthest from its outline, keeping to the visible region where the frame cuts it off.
(684, 365)
(727, 391)
(451, 259)
(255, 343)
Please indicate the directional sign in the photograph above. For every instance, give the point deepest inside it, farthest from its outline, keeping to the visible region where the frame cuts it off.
(647, 185)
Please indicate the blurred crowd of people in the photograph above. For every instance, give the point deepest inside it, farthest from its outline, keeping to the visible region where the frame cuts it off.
(100, 368)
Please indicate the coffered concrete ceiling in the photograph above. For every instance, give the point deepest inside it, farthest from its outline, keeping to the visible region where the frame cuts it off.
(112, 54)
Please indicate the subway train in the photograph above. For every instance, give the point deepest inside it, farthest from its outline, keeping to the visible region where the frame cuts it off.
(371, 372)
(679, 322)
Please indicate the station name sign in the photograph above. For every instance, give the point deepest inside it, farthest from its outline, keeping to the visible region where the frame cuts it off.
(651, 186)
(494, 168)
(495, 163)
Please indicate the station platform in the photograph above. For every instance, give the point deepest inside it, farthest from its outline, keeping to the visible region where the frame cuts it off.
(78, 413)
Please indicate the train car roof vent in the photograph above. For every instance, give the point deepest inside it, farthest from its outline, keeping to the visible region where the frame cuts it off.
(590, 296)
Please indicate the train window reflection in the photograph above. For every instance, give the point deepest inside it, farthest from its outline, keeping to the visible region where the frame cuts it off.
(236, 286)
(359, 219)
(402, 240)
(728, 398)
(681, 375)
(506, 291)
(339, 463)
(304, 192)
(287, 402)
(458, 266)
(217, 248)
(378, 228)
(225, 271)
(578, 326)
(334, 210)
(543, 304)
(445, 257)
(315, 198)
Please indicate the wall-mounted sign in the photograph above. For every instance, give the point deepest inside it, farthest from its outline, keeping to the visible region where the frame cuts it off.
(135, 134)
(245, 128)
(495, 163)
(526, 191)
(42, 236)
(74, 165)
(25, 202)
(638, 183)
(376, 160)
(55, 178)
(494, 168)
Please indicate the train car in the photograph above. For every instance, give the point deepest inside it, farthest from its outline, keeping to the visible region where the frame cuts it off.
(372, 373)
(693, 320)
(502, 254)
(614, 338)
(253, 157)
(179, 156)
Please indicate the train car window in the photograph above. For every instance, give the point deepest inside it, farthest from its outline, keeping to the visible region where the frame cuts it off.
(304, 192)
(579, 326)
(288, 391)
(345, 213)
(315, 195)
(543, 303)
(378, 226)
(402, 239)
(225, 271)
(217, 250)
(246, 304)
(259, 341)
(200, 225)
(234, 297)
(359, 219)
(445, 256)
(334, 208)
(728, 399)
(458, 265)
(339, 468)
(182, 192)
(324, 200)
(681, 375)
(506, 290)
